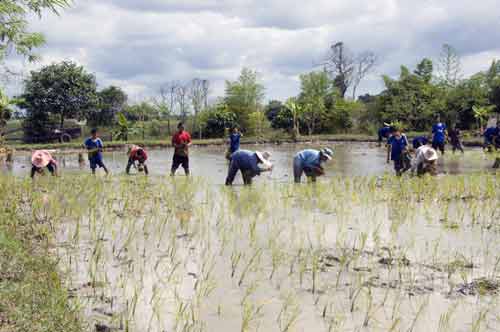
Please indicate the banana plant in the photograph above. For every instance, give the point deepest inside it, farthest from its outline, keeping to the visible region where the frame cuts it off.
(481, 114)
(296, 110)
(125, 128)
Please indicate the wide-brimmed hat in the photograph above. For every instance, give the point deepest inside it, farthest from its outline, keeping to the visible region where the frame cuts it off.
(430, 154)
(40, 158)
(327, 152)
(264, 158)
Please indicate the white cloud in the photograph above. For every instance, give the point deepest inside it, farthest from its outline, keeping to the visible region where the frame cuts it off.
(140, 44)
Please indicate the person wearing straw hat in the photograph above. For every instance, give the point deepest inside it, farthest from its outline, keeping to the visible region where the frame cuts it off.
(425, 161)
(41, 159)
(139, 155)
(310, 162)
(250, 164)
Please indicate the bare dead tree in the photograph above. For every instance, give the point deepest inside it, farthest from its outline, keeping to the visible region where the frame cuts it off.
(346, 68)
(196, 96)
(449, 66)
(182, 98)
(364, 63)
(206, 92)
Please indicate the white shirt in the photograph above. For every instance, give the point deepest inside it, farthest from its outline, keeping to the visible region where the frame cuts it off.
(420, 157)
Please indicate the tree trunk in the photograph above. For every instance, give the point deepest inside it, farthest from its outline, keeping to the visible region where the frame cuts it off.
(61, 124)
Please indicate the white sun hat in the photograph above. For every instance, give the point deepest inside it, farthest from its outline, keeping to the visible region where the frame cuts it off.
(430, 154)
(327, 152)
(264, 158)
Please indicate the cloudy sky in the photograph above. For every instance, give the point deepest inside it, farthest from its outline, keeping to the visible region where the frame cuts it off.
(142, 44)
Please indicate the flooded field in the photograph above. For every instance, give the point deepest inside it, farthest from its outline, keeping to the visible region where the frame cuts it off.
(349, 159)
(361, 250)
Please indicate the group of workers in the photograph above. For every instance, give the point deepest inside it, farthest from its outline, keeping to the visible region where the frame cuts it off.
(309, 162)
(426, 155)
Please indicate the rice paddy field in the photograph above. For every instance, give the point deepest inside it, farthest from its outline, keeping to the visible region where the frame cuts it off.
(361, 250)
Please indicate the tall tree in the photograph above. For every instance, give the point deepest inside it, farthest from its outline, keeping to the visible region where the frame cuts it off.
(449, 66)
(315, 88)
(244, 96)
(182, 98)
(197, 95)
(63, 90)
(424, 70)
(346, 68)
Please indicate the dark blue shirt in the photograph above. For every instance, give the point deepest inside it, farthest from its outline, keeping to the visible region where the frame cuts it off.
(439, 131)
(397, 146)
(490, 132)
(92, 144)
(246, 161)
(419, 141)
(384, 132)
(234, 139)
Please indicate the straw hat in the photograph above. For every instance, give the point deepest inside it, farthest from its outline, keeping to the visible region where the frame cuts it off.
(41, 158)
(430, 154)
(264, 158)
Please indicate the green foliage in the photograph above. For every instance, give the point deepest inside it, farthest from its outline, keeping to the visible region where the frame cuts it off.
(244, 96)
(217, 119)
(316, 87)
(143, 111)
(112, 100)
(57, 92)
(6, 104)
(257, 124)
(14, 32)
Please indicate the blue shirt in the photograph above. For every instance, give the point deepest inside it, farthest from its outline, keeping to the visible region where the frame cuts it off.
(397, 146)
(309, 158)
(490, 132)
(246, 160)
(419, 141)
(234, 142)
(439, 131)
(384, 132)
(91, 144)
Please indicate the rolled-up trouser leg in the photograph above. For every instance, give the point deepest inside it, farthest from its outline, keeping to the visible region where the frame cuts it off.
(298, 169)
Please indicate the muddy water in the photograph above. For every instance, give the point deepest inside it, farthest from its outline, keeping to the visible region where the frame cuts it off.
(209, 162)
(188, 256)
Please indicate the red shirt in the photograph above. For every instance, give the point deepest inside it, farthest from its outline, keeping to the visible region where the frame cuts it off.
(134, 156)
(181, 138)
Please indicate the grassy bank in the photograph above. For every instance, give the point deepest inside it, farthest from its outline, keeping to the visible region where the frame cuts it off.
(32, 297)
(470, 141)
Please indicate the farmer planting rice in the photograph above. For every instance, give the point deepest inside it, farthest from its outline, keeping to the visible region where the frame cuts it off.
(419, 141)
(439, 136)
(492, 137)
(40, 160)
(250, 164)
(455, 139)
(310, 162)
(139, 155)
(234, 142)
(384, 133)
(425, 161)
(181, 141)
(397, 151)
(94, 147)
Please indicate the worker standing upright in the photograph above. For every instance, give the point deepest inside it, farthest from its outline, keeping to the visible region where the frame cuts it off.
(455, 139)
(95, 147)
(181, 141)
(384, 133)
(234, 142)
(439, 136)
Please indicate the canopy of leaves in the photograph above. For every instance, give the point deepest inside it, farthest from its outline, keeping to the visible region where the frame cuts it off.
(217, 119)
(111, 101)
(14, 34)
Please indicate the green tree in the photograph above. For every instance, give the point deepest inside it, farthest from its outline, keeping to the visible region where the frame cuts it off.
(424, 70)
(112, 100)
(315, 88)
(216, 119)
(64, 90)
(14, 32)
(244, 96)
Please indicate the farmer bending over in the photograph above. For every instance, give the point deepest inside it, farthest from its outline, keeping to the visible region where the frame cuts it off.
(309, 162)
(181, 142)
(419, 141)
(397, 151)
(41, 159)
(94, 148)
(425, 161)
(492, 137)
(250, 164)
(384, 132)
(139, 155)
